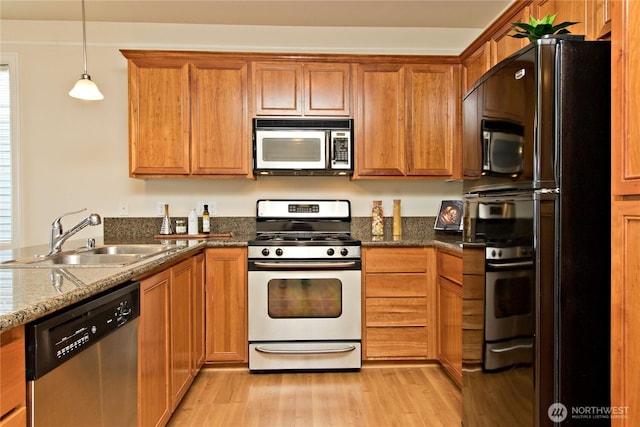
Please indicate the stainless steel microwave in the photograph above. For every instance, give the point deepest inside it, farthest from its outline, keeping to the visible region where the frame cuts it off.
(302, 146)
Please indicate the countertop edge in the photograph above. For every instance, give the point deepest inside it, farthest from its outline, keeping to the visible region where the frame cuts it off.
(116, 276)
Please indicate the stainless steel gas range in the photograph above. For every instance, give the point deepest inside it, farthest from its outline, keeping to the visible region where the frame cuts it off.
(304, 293)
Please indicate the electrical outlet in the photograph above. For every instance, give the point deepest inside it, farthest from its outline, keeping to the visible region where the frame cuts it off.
(160, 208)
(123, 209)
(213, 208)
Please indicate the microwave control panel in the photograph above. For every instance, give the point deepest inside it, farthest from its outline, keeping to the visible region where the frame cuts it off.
(340, 150)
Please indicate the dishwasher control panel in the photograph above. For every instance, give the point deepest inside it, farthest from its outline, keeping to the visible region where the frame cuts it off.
(56, 338)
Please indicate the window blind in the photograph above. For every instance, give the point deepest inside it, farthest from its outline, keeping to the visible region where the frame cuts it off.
(6, 198)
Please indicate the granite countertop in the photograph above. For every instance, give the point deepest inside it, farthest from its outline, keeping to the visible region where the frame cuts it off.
(28, 293)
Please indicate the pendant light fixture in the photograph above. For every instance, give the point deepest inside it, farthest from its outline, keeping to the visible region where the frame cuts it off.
(85, 88)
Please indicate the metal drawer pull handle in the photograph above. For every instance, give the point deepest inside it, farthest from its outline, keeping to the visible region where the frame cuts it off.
(344, 349)
(510, 264)
(306, 265)
(515, 347)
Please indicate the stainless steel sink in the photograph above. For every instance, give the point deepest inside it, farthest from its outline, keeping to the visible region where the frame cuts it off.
(102, 256)
(145, 250)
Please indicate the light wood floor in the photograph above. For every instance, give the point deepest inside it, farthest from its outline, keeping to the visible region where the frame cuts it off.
(407, 395)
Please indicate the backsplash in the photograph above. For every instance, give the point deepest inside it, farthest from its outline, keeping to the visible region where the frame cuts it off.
(136, 228)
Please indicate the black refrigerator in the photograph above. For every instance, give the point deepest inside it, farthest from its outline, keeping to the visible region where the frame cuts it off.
(536, 140)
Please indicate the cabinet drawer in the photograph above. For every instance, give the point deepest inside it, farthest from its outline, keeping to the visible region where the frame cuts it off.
(396, 312)
(397, 342)
(450, 266)
(12, 370)
(17, 418)
(396, 260)
(395, 285)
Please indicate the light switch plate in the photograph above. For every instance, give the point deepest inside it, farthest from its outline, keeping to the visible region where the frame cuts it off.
(160, 208)
(123, 209)
(213, 208)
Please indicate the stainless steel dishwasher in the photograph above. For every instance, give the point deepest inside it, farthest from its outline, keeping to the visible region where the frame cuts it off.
(82, 362)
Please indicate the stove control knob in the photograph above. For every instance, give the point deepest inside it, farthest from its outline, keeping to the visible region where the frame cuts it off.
(500, 253)
(330, 251)
(279, 252)
(493, 253)
(265, 252)
(344, 251)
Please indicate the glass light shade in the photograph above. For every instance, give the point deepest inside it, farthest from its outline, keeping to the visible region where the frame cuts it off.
(86, 89)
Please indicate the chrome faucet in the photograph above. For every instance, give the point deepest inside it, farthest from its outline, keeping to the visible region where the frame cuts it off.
(58, 237)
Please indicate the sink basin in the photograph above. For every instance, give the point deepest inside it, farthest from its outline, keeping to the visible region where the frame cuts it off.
(102, 256)
(127, 250)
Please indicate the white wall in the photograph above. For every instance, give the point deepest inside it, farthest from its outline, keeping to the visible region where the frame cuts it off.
(73, 154)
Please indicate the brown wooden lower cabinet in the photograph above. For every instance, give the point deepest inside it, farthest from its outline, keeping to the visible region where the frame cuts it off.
(153, 351)
(226, 305)
(13, 391)
(166, 332)
(198, 310)
(473, 306)
(399, 303)
(181, 330)
(450, 314)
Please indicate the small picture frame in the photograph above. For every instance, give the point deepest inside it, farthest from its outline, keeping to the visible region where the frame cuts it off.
(450, 216)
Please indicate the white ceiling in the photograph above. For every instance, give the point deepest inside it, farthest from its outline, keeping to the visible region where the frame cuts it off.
(476, 14)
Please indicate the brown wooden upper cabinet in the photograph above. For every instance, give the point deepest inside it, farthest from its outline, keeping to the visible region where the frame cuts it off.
(406, 120)
(301, 89)
(188, 115)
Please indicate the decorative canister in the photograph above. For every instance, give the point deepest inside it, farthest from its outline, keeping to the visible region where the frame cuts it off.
(377, 219)
(397, 218)
(181, 226)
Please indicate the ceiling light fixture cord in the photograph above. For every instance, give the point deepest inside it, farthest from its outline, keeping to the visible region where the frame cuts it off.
(85, 88)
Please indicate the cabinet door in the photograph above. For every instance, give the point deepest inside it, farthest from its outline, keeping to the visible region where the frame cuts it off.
(226, 313)
(12, 374)
(158, 117)
(625, 310)
(598, 19)
(502, 44)
(476, 65)
(574, 11)
(278, 88)
(625, 87)
(221, 141)
(432, 140)
(181, 286)
(379, 120)
(153, 351)
(198, 307)
(450, 327)
(327, 89)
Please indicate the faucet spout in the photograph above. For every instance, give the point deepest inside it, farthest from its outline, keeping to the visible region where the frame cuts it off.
(58, 237)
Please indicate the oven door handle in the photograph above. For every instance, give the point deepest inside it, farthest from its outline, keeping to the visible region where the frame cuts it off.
(510, 264)
(514, 347)
(304, 265)
(345, 348)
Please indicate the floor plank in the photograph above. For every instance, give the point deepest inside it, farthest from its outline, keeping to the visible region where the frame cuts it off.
(389, 395)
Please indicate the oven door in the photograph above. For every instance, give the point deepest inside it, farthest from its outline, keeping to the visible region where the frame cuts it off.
(509, 300)
(304, 305)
